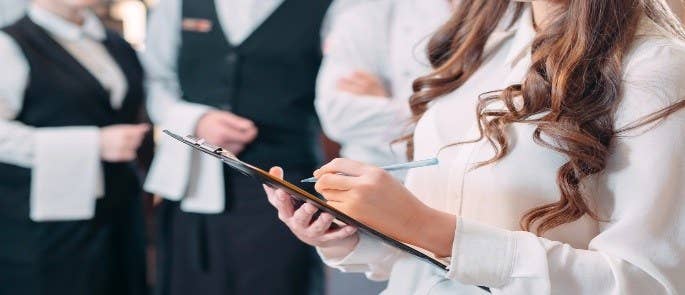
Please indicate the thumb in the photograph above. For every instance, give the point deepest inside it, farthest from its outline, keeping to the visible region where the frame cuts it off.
(142, 128)
(277, 172)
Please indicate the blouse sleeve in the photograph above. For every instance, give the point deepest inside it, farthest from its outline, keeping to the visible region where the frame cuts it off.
(370, 256)
(66, 175)
(641, 245)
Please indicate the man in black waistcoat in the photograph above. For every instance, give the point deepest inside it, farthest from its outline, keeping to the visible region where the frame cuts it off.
(241, 75)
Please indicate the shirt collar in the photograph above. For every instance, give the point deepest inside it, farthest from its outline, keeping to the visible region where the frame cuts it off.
(92, 28)
(647, 27)
(523, 38)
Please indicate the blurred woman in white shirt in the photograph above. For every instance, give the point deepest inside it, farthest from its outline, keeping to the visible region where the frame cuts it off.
(373, 52)
(558, 126)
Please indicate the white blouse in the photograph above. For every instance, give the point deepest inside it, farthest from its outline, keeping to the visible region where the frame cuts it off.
(66, 175)
(638, 247)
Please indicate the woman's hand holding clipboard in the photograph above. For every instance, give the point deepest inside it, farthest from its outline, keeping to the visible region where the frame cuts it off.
(349, 226)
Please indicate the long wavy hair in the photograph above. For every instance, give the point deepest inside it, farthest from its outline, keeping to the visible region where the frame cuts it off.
(570, 92)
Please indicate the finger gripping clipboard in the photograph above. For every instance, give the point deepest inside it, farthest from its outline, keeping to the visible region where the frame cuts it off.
(300, 195)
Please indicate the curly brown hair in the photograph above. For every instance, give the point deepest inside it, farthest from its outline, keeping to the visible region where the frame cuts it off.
(570, 92)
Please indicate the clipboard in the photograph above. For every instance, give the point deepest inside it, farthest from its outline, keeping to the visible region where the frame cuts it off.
(300, 195)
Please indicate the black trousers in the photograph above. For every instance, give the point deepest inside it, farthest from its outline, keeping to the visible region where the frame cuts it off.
(244, 250)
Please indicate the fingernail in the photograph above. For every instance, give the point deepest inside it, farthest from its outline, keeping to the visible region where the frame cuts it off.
(350, 230)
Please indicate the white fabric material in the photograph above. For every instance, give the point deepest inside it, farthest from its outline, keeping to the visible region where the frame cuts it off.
(176, 173)
(63, 185)
(386, 38)
(637, 248)
(85, 44)
(11, 10)
(239, 18)
(54, 153)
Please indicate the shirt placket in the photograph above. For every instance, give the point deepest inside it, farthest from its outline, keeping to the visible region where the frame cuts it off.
(462, 163)
(459, 166)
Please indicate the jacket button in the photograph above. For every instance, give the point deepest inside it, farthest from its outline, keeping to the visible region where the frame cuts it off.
(232, 58)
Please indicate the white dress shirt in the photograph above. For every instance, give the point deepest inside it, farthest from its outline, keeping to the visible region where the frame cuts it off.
(65, 161)
(176, 172)
(386, 38)
(11, 10)
(638, 247)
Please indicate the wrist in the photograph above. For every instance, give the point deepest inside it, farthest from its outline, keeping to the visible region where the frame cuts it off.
(197, 122)
(435, 231)
(341, 249)
(197, 115)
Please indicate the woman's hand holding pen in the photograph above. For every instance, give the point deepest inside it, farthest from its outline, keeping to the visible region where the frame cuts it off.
(335, 241)
(226, 130)
(120, 143)
(372, 196)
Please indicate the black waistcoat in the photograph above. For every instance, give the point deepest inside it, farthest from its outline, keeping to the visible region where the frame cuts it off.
(269, 78)
(60, 93)
(36, 258)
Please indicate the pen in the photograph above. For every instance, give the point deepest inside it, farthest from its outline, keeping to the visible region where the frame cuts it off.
(396, 167)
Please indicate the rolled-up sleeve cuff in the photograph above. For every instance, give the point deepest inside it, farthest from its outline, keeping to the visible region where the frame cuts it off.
(482, 255)
(64, 178)
(170, 170)
(370, 256)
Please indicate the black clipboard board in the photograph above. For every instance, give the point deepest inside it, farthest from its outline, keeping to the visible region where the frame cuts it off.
(300, 195)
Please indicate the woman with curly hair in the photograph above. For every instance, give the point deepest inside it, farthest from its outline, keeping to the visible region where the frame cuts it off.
(559, 130)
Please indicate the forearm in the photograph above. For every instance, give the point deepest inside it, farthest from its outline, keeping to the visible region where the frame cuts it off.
(369, 256)
(433, 230)
(349, 118)
(340, 249)
(16, 143)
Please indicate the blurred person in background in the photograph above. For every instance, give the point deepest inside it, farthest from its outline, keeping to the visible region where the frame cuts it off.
(70, 197)
(373, 54)
(240, 74)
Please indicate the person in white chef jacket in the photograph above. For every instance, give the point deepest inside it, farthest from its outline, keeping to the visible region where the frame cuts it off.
(71, 96)
(529, 222)
(373, 53)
